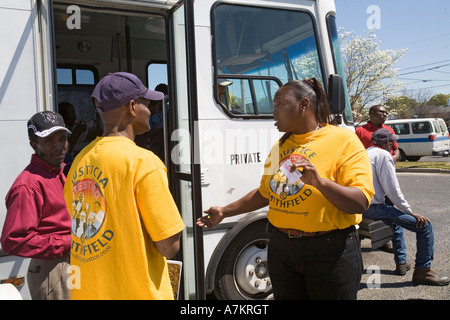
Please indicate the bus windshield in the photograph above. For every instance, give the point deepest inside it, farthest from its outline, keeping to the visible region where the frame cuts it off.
(264, 42)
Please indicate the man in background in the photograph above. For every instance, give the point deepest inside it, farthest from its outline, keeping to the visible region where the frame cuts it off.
(401, 216)
(377, 117)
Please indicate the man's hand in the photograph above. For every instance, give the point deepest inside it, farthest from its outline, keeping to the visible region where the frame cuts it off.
(421, 220)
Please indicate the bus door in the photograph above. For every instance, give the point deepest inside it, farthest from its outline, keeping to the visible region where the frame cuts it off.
(132, 37)
(184, 171)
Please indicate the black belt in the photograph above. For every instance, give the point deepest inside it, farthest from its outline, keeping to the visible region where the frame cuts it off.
(294, 233)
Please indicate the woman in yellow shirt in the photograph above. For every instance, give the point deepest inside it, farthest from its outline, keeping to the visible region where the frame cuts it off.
(317, 182)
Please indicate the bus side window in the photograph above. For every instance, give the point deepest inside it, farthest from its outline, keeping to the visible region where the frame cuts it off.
(396, 129)
(404, 128)
(259, 49)
(421, 127)
(248, 96)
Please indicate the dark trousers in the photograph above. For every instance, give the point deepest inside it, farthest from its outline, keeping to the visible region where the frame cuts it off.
(323, 267)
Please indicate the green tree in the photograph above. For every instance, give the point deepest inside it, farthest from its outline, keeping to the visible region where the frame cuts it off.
(402, 107)
(438, 100)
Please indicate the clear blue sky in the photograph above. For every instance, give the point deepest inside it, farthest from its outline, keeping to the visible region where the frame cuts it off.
(422, 27)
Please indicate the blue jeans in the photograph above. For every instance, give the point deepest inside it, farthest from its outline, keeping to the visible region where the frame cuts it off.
(400, 220)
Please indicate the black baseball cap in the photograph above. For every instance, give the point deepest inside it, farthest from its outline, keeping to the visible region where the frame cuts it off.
(45, 123)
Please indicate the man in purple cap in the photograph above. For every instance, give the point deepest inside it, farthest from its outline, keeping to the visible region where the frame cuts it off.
(37, 223)
(401, 216)
(122, 255)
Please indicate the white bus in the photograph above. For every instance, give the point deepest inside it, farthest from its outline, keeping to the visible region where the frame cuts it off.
(222, 61)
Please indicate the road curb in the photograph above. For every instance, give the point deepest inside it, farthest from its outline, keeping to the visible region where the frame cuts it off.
(422, 170)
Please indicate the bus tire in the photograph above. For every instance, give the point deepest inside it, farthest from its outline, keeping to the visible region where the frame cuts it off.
(242, 273)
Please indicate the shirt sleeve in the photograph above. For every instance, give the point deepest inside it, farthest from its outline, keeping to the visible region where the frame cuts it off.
(389, 182)
(20, 234)
(270, 165)
(364, 136)
(354, 169)
(158, 210)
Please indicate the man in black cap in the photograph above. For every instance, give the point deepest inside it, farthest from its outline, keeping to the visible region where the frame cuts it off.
(37, 223)
(401, 216)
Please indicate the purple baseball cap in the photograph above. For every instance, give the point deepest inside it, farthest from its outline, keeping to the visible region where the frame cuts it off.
(382, 135)
(117, 89)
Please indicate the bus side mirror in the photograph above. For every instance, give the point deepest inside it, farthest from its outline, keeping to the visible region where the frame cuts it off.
(336, 94)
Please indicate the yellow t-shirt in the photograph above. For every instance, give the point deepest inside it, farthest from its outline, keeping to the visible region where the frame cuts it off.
(120, 204)
(338, 155)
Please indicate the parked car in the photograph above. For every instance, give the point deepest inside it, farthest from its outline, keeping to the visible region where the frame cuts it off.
(421, 137)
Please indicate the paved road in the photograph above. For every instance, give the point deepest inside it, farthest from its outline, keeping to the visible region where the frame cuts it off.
(428, 194)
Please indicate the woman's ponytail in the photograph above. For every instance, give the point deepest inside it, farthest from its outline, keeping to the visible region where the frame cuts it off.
(322, 110)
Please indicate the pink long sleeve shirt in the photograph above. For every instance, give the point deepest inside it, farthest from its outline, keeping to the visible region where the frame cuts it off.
(37, 222)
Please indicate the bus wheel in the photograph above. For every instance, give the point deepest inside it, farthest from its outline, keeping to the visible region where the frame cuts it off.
(242, 273)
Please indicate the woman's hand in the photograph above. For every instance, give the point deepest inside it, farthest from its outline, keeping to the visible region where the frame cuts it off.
(214, 216)
(248, 203)
(309, 173)
(350, 200)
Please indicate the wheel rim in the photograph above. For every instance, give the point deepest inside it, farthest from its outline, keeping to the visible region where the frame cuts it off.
(251, 272)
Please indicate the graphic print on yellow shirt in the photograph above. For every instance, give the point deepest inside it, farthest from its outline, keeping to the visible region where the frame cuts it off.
(280, 182)
(287, 192)
(339, 156)
(121, 205)
(89, 213)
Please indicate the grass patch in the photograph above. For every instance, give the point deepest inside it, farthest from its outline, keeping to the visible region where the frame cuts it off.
(423, 164)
